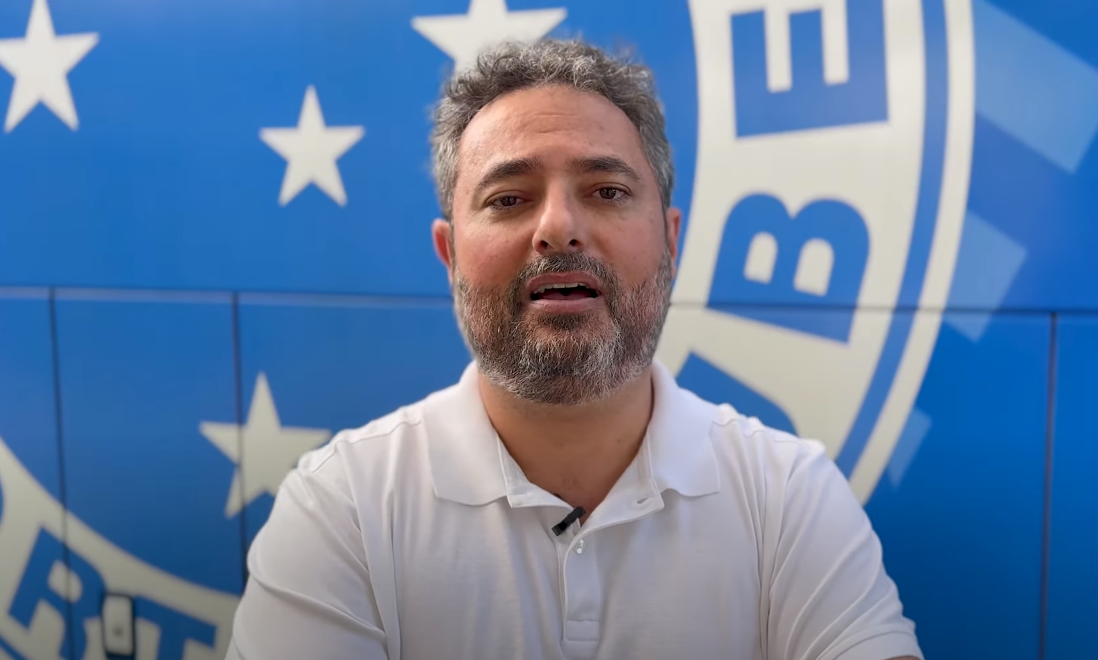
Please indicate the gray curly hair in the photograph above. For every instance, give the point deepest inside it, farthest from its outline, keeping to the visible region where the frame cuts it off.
(510, 67)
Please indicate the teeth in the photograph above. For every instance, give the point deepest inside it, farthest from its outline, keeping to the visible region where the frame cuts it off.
(563, 285)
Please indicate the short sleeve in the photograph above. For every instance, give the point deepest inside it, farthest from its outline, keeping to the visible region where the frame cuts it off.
(830, 597)
(308, 593)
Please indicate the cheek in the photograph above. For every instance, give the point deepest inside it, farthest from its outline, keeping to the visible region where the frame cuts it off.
(490, 258)
(634, 253)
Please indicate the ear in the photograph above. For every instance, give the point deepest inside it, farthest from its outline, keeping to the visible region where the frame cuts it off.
(674, 224)
(442, 234)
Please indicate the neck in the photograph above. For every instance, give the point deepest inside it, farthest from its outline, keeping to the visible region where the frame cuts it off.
(577, 452)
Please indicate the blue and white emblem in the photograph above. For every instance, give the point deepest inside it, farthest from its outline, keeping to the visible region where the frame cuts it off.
(834, 142)
(823, 148)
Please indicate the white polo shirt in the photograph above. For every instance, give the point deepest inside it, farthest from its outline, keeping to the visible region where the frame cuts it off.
(417, 537)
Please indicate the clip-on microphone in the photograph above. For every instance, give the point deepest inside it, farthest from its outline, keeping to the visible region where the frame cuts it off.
(576, 514)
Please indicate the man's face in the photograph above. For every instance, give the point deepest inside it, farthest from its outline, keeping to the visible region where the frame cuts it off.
(560, 256)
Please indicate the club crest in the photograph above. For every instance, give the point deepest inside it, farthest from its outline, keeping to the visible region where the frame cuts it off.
(834, 142)
(824, 188)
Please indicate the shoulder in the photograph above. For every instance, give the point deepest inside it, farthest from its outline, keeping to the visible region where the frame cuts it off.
(370, 456)
(375, 437)
(819, 556)
(771, 473)
(745, 444)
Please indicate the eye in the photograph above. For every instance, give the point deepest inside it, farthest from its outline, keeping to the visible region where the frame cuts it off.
(611, 194)
(506, 201)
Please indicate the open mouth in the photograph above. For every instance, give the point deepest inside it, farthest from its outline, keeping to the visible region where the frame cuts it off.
(564, 291)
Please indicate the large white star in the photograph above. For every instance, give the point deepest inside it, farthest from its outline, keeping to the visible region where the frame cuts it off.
(488, 22)
(263, 450)
(311, 151)
(40, 63)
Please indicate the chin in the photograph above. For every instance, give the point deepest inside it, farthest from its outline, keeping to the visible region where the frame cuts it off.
(572, 321)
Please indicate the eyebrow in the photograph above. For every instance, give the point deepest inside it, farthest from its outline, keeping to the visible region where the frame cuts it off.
(506, 170)
(522, 166)
(605, 164)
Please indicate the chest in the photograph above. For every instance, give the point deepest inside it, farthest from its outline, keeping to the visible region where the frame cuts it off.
(664, 585)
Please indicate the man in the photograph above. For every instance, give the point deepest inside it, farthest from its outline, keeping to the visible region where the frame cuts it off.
(565, 499)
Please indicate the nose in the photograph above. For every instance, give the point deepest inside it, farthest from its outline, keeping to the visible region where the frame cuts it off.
(561, 226)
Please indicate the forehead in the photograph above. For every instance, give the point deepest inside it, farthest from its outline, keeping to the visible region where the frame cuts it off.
(553, 124)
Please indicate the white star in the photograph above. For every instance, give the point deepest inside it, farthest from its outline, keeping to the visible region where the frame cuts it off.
(263, 450)
(311, 151)
(488, 22)
(40, 63)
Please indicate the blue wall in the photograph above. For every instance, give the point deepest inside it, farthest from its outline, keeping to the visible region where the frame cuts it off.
(887, 246)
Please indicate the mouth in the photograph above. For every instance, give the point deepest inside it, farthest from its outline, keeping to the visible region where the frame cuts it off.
(563, 291)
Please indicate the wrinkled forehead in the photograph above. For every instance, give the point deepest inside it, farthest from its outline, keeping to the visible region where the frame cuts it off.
(555, 126)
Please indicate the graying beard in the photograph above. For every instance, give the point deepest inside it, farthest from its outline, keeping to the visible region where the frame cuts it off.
(563, 371)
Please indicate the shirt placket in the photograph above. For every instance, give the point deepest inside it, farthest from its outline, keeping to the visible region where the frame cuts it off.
(582, 593)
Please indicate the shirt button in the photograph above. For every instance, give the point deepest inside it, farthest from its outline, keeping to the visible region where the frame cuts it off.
(579, 548)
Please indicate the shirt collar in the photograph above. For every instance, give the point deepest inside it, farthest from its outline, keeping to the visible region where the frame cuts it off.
(469, 464)
(679, 438)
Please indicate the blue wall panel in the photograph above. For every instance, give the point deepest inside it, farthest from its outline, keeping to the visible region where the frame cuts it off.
(141, 378)
(1073, 542)
(171, 102)
(960, 511)
(330, 365)
(28, 414)
(1033, 152)
(138, 377)
(33, 608)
